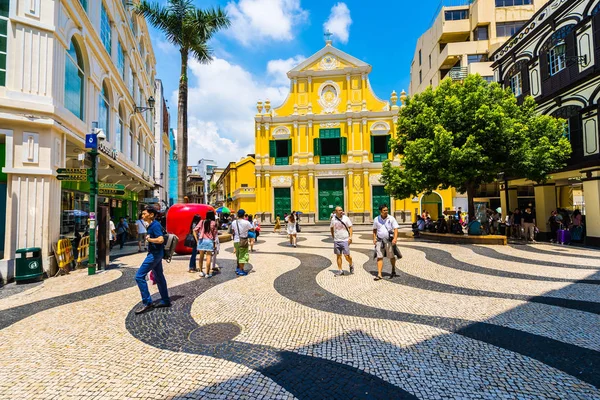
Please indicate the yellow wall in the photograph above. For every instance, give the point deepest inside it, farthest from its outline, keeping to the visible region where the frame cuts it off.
(355, 110)
(234, 176)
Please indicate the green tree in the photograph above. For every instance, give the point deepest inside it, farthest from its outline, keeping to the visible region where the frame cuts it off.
(188, 28)
(463, 134)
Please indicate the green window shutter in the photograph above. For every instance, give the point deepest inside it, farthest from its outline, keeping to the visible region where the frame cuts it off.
(343, 146)
(289, 147)
(272, 148)
(372, 144)
(317, 146)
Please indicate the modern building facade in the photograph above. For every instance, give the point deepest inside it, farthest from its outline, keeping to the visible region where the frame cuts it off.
(555, 57)
(463, 34)
(325, 145)
(67, 64)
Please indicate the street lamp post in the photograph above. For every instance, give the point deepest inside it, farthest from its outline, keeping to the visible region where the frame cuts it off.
(91, 142)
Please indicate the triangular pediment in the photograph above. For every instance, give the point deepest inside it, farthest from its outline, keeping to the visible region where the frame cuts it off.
(329, 59)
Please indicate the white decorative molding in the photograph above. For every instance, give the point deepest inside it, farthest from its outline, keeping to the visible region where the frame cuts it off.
(375, 179)
(380, 128)
(329, 62)
(281, 132)
(31, 147)
(310, 124)
(329, 96)
(329, 125)
(57, 152)
(34, 8)
(267, 126)
(295, 124)
(590, 137)
(331, 172)
(281, 181)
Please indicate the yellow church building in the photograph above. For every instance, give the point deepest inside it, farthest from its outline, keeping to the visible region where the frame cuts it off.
(324, 146)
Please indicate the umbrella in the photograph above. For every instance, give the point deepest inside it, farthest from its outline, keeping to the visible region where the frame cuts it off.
(223, 210)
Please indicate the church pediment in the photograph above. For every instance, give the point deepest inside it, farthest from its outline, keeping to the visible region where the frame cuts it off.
(329, 59)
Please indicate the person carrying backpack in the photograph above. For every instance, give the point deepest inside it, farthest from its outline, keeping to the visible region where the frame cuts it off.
(152, 262)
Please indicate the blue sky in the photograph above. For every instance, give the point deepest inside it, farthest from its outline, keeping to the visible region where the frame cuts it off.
(266, 39)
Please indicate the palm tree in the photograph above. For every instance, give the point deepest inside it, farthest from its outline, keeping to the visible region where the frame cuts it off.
(189, 28)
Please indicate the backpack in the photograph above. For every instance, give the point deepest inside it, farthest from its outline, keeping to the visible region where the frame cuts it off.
(170, 243)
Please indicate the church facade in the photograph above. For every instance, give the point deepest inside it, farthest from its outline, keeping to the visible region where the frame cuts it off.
(325, 145)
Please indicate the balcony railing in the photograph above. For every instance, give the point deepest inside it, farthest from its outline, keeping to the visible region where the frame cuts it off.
(458, 73)
(449, 3)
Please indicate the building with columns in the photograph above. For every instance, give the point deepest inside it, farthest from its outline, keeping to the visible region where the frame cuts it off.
(162, 146)
(555, 57)
(70, 63)
(324, 146)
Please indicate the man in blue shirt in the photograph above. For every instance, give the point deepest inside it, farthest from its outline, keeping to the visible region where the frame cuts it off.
(153, 262)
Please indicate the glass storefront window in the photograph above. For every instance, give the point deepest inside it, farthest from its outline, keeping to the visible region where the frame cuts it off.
(75, 207)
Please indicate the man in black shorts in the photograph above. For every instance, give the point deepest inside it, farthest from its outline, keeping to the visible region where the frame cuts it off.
(341, 232)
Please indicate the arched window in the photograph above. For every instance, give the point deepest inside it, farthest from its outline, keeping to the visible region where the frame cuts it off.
(596, 9)
(104, 112)
(119, 142)
(105, 32)
(130, 139)
(139, 149)
(556, 46)
(74, 80)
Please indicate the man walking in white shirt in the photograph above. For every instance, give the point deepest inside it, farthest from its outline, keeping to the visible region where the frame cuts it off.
(341, 232)
(385, 234)
(141, 233)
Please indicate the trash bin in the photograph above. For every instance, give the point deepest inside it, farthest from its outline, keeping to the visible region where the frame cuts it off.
(28, 264)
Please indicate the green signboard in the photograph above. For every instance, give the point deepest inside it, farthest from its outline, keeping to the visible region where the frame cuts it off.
(111, 192)
(73, 171)
(116, 186)
(76, 178)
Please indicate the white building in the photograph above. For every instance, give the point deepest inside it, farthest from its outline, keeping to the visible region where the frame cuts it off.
(162, 146)
(69, 63)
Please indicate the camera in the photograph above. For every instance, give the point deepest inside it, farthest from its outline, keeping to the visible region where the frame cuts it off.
(100, 135)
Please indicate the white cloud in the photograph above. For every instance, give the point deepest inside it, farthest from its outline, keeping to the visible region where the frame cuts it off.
(339, 22)
(256, 20)
(278, 69)
(165, 47)
(221, 109)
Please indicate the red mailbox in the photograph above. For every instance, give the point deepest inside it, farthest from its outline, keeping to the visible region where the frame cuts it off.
(179, 219)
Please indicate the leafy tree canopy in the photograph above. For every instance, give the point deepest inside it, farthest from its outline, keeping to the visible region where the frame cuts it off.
(463, 134)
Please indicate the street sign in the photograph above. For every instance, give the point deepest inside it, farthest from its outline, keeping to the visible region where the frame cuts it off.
(91, 141)
(117, 186)
(73, 178)
(150, 200)
(73, 171)
(110, 192)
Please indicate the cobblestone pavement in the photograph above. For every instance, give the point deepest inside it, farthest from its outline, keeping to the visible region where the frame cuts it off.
(460, 322)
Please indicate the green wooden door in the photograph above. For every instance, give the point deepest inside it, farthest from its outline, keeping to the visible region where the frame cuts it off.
(283, 202)
(331, 195)
(379, 197)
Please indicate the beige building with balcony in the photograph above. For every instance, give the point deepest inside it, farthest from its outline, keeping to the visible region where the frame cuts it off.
(462, 36)
(65, 65)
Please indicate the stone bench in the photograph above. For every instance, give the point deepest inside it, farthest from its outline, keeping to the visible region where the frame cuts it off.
(465, 239)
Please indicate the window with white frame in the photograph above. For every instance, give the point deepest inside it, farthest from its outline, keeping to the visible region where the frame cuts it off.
(130, 141)
(104, 112)
(4, 8)
(121, 60)
(105, 33)
(119, 131)
(139, 150)
(556, 58)
(74, 81)
(516, 84)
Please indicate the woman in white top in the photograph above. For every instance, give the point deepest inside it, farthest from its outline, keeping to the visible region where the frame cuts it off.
(291, 228)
